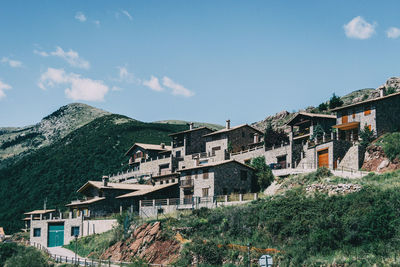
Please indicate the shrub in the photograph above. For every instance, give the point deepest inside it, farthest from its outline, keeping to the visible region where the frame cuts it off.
(390, 90)
(391, 145)
(263, 172)
(27, 257)
(367, 136)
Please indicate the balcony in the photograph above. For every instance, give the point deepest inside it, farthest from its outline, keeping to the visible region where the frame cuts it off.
(187, 183)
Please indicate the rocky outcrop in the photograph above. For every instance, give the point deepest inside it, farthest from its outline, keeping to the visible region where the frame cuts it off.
(339, 189)
(145, 242)
(376, 160)
(277, 121)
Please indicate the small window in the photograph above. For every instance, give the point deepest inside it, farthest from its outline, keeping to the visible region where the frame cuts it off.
(75, 231)
(173, 180)
(205, 174)
(36, 232)
(161, 182)
(205, 192)
(367, 110)
(243, 175)
(354, 114)
(167, 181)
(178, 154)
(242, 134)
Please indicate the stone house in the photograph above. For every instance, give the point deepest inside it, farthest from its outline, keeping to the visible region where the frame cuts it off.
(220, 144)
(214, 179)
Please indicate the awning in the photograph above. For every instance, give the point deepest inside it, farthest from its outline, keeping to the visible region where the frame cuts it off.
(347, 126)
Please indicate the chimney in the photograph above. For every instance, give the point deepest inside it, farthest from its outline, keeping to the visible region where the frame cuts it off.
(191, 126)
(228, 124)
(162, 145)
(382, 91)
(105, 180)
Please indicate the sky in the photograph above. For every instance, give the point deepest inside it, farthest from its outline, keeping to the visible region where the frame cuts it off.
(191, 60)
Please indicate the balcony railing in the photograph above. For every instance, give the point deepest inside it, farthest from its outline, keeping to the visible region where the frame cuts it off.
(187, 183)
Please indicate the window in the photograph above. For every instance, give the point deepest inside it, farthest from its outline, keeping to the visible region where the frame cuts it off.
(75, 231)
(195, 174)
(173, 180)
(167, 181)
(36, 232)
(367, 110)
(205, 174)
(243, 175)
(161, 182)
(345, 119)
(205, 192)
(354, 114)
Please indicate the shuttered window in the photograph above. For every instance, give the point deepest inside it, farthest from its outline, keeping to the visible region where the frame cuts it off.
(367, 110)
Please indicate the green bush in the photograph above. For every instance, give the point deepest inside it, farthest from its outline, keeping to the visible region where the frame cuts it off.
(263, 172)
(391, 145)
(367, 136)
(12, 255)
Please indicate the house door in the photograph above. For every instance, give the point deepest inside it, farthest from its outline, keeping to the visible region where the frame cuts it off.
(282, 161)
(56, 235)
(323, 158)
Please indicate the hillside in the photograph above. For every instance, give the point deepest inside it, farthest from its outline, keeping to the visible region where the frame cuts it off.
(56, 171)
(314, 219)
(195, 124)
(18, 141)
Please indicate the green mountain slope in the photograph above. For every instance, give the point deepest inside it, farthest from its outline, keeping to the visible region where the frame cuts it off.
(56, 171)
(20, 141)
(195, 124)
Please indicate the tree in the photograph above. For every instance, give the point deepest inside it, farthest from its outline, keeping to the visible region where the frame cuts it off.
(318, 132)
(274, 137)
(366, 136)
(323, 106)
(263, 172)
(390, 90)
(335, 102)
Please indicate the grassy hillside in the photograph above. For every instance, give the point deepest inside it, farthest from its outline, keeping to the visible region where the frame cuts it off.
(196, 124)
(55, 172)
(16, 142)
(309, 228)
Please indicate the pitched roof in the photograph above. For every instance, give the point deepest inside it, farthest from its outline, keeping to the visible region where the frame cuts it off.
(147, 191)
(149, 147)
(85, 202)
(311, 115)
(39, 212)
(214, 164)
(194, 129)
(116, 186)
(366, 101)
(225, 130)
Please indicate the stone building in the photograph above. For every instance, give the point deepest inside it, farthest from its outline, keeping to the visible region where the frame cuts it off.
(220, 144)
(214, 179)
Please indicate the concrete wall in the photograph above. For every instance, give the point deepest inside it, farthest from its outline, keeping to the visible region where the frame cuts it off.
(85, 228)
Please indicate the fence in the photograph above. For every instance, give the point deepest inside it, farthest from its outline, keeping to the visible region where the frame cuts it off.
(79, 261)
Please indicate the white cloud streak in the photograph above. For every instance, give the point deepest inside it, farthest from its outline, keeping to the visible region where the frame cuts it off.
(393, 33)
(177, 89)
(78, 88)
(126, 13)
(11, 63)
(71, 56)
(153, 84)
(3, 87)
(80, 16)
(358, 28)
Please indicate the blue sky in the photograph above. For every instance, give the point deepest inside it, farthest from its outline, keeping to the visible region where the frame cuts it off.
(191, 60)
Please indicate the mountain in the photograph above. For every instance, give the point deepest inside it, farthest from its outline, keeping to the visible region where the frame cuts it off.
(195, 124)
(55, 171)
(21, 140)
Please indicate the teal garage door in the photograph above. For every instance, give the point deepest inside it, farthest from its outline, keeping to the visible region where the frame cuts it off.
(56, 235)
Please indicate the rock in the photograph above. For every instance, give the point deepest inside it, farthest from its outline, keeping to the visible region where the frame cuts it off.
(383, 164)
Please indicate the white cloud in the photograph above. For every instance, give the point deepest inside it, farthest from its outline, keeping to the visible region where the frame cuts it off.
(71, 56)
(41, 53)
(126, 13)
(80, 16)
(11, 63)
(153, 84)
(358, 28)
(79, 88)
(177, 89)
(125, 76)
(393, 33)
(97, 22)
(3, 87)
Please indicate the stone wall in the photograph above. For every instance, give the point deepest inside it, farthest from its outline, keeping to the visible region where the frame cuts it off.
(91, 227)
(227, 179)
(359, 116)
(353, 159)
(195, 142)
(270, 155)
(387, 114)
